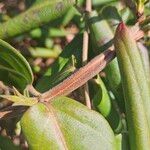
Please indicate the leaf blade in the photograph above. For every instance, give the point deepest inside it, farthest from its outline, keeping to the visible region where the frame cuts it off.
(135, 88)
(73, 121)
(14, 68)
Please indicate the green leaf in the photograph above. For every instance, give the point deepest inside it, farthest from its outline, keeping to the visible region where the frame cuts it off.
(102, 38)
(135, 88)
(122, 141)
(104, 104)
(101, 99)
(35, 16)
(14, 69)
(60, 70)
(66, 124)
(145, 59)
(6, 144)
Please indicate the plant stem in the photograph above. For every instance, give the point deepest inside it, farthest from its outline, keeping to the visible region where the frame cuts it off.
(33, 91)
(77, 79)
(85, 55)
(80, 77)
(84, 60)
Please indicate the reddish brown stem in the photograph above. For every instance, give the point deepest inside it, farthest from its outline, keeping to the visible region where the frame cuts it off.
(84, 60)
(85, 55)
(85, 73)
(80, 77)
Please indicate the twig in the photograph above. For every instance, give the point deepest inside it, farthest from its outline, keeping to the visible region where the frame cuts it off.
(84, 60)
(85, 55)
(33, 91)
(85, 73)
(80, 77)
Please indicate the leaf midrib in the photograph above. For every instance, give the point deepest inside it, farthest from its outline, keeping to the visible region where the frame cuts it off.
(51, 110)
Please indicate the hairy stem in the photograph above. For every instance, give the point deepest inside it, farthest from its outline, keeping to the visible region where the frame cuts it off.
(80, 77)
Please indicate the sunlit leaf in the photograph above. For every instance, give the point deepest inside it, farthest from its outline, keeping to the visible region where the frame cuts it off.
(135, 88)
(66, 124)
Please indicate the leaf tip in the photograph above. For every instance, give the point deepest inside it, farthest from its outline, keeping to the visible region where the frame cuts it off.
(122, 31)
(121, 27)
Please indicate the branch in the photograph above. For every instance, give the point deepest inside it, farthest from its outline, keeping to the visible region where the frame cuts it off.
(85, 54)
(80, 77)
(33, 91)
(77, 79)
(85, 73)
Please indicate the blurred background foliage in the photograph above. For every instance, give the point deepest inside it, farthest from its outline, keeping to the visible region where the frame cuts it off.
(54, 51)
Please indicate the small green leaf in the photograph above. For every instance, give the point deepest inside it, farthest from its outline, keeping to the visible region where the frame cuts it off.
(66, 124)
(101, 99)
(104, 104)
(14, 69)
(101, 37)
